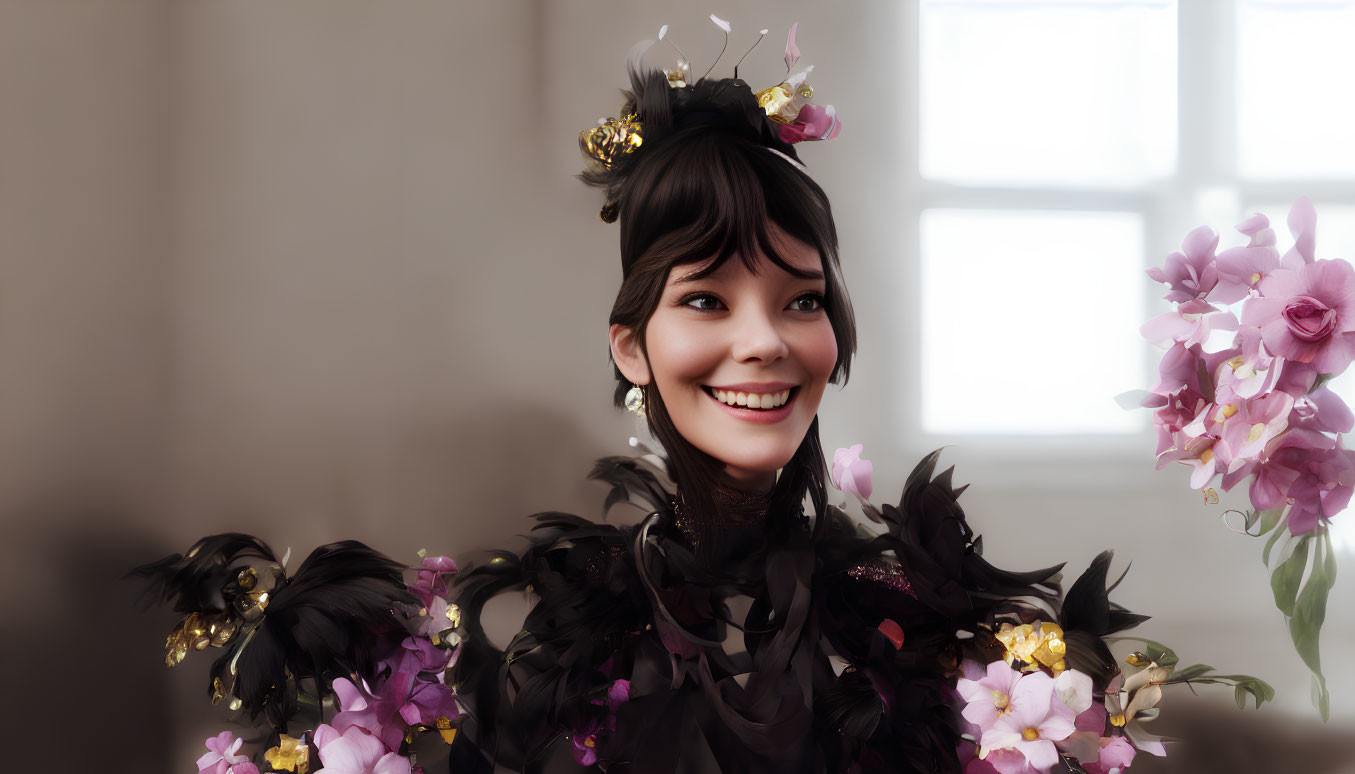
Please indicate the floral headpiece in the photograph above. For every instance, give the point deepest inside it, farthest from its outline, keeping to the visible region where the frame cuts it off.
(785, 113)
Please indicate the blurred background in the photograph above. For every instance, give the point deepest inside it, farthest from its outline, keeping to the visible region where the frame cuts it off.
(318, 269)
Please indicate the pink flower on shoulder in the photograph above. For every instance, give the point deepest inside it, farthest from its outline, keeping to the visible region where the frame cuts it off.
(989, 697)
(356, 752)
(851, 473)
(223, 756)
(1036, 721)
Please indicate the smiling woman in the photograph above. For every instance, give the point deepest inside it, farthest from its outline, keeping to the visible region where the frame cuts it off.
(740, 355)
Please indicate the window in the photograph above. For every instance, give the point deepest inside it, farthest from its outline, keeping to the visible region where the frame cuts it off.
(1065, 145)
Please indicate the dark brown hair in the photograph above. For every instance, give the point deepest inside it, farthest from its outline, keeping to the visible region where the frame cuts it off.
(716, 184)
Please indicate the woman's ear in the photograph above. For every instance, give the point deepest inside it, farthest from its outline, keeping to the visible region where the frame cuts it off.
(629, 356)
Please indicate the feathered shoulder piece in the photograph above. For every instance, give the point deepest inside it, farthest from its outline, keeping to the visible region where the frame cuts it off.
(334, 618)
(944, 558)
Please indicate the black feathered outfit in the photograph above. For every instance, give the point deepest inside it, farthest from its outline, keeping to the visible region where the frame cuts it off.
(806, 677)
(743, 638)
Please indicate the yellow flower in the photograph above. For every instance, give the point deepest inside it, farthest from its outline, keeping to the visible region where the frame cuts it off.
(1034, 645)
(289, 755)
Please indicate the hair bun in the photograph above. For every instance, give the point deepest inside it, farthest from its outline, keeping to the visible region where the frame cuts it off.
(661, 104)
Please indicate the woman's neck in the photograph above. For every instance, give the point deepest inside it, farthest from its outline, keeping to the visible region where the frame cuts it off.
(753, 481)
(736, 511)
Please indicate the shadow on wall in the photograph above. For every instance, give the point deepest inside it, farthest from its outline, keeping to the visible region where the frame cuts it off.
(86, 686)
(84, 659)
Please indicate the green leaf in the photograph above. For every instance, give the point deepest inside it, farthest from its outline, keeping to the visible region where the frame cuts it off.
(1189, 673)
(1244, 686)
(1309, 612)
(1155, 651)
(1284, 581)
(1265, 554)
(1269, 518)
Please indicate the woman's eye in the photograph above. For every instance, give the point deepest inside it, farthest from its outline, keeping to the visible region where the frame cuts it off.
(809, 302)
(702, 302)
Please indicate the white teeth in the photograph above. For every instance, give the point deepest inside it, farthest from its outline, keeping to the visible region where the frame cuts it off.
(752, 400)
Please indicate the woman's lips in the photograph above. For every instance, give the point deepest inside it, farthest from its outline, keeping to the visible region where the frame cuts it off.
(757, 415)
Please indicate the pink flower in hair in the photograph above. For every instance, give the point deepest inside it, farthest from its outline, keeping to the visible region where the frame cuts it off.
(850, 473)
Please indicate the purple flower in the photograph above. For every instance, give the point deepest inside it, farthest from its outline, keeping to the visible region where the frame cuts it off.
(1324, 411)
(1308, 315)
(1282, 462)
(1180, 368)
(1171, 419)
(222, 756)
(431, 581)
(1322, 489)
(418, 654)
(1190, 272)
(584, 745)
(850, 473)
(421, 701)
(356, 752)
(585, 741)
(1241, 269)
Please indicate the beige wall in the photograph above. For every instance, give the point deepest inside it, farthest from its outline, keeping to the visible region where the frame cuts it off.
(318, 269)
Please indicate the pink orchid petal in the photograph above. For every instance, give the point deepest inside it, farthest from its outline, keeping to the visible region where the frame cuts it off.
(1303, 225)
(350, 698)
(792, 50)
(1041, 753)
(392, 763)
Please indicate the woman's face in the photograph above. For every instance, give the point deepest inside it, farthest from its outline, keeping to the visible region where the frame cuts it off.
(742, 358)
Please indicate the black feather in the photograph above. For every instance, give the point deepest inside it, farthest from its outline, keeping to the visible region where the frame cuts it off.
(336, 617)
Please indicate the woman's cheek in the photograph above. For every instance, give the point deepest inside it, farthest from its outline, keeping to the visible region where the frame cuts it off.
(821, 352)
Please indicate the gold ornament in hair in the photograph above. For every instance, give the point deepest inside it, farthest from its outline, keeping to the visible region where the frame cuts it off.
(612, 139)
(789, 105)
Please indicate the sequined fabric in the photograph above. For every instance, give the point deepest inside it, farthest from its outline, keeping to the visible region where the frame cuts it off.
(884, 572)
(737, 512)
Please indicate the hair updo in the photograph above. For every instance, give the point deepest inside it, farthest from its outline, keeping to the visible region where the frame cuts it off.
(706, 184)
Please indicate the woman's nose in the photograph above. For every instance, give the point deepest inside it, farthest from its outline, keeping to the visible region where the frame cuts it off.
(757, 338)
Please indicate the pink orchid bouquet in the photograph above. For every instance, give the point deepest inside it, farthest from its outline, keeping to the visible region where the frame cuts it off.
(1255, 406)
(374, 725)
(1022, 704)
